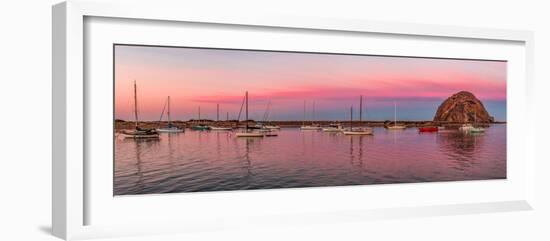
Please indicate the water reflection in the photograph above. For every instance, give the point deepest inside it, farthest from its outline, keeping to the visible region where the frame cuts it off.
(210, 161)
(461, 148)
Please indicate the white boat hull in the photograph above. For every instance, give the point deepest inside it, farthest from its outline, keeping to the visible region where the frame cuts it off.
(272, 127)
(477, 130)
(170, 130)
(362, 131)
(139, 136)
(310, 128)
(357, 133)
(244, 134)
(220, 128)
(333, 129)
(397, 127)
(466, 128)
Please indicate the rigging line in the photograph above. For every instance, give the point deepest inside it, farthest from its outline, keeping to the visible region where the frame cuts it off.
(240, 111)
(266, 113)
(163, 109)
(268, 110)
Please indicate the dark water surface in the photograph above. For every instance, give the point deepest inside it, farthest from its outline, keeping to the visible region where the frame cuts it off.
(209, 160)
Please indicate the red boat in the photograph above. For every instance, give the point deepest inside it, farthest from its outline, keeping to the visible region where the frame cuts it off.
(428, 129)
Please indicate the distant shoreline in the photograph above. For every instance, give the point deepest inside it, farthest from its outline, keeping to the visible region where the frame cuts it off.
(123, 124)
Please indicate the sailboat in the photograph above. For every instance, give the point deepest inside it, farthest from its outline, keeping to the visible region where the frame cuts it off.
(359, 130)
(334, 127)
(219, 128)
(311, 127)
(266, 119)
(246, 133)
(200, 126)
(472, 128)
(138, 132)
(395, 125)
(170, 128)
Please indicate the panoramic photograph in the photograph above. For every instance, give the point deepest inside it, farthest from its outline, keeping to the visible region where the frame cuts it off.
(192, 119)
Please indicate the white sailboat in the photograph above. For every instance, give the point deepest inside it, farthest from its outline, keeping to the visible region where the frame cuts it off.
(359, 130)
(395, 126)
(466, 127)
(138, 132)
(266, 119)
(334, 127)
(246, 133)
(219, 128)
(472, 128)
(311, 127)
(170, 128)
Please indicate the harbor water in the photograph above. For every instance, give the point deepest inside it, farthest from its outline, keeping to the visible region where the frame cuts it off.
(196, 161)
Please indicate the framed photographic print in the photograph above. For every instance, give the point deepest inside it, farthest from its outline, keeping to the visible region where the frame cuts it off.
(201, 122)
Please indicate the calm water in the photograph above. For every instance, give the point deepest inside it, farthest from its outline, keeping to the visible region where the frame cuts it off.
(209, 161)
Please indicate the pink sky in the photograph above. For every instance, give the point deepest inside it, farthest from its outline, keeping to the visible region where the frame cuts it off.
(205, 77)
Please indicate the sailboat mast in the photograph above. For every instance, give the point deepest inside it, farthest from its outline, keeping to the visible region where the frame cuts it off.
(217, 112)
(394, 114)
(313, 114)
(226, 116)
(360, 109)
(199, 114)
(246, 97)
(351, 118)
(135, 104)
(304, 120)
(169, 119)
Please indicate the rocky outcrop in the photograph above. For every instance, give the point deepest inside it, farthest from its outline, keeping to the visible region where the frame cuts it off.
(462, 107)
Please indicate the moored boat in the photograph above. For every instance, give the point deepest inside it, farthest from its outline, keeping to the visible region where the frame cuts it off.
(334, 127)
(138, 132)
(249, 134)
(466, 127)
(220, 128)
(200, 126)
(170, 128)
(312, 126)
(395, 126)
(271, 133)
(428, 129)
(359, 130)
(477, 130)
(246, 133)
(472, 128)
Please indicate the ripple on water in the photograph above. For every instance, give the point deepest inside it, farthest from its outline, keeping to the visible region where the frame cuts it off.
(212, 161)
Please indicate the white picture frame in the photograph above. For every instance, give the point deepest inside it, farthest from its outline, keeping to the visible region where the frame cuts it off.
(71, 184)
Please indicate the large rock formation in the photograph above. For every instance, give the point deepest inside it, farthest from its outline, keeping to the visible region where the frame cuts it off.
(462, 107)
